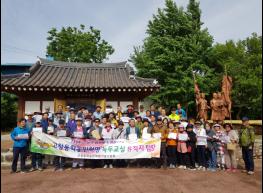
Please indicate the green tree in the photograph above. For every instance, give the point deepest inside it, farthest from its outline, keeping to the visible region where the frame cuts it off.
(243, 61)
(78, 45)
(176, 46)
(8, 111)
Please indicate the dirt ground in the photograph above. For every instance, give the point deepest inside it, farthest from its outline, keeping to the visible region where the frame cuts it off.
(139, 180)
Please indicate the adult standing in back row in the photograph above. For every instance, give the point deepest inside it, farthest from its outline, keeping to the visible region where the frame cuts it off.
(246, 142)
(180, 111)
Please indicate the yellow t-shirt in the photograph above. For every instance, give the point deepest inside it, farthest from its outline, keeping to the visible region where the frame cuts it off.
(174, 117)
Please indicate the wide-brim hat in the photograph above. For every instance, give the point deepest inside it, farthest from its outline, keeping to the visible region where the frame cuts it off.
(159, 119)
(137, 117)
(98, 106)
(216, 125)
(72, 110)
(177, 122)
(198, 122)
(181, 126)
(129, 105)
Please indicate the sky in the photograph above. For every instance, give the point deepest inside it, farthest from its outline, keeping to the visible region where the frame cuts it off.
(123, 23)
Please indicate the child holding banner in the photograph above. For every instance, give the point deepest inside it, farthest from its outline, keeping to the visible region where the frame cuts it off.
(20, 136)
(79, 132)
(171, 144)
(181, 146)
(60, 131)
(201, 145)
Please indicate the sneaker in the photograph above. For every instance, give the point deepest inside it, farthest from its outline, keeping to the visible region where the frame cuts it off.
(174, 166)
(61, 170)
(204, 169)
(40, 169)
(250, 172)
(171, 166)
(244, 171)
(22, 171)
(180, 167)
(184, 167)
(213, 170)
(32, 169)
(105, 166)
(111, 166)
(199, 168)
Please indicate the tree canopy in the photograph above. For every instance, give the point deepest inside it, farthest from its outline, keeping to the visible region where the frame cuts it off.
(8, 111)
(175, 47)
(78, 45)
(242, 60)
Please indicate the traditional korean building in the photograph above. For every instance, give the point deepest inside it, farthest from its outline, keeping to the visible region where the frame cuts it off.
(53, 83)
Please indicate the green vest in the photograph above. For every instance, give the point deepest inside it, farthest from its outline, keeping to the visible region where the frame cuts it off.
(246, 136)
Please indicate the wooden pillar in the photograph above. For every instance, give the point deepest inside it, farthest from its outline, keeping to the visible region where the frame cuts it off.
(21, 107)
(135, 102)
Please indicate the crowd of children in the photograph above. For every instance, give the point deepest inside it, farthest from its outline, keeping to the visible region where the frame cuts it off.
(185, 143)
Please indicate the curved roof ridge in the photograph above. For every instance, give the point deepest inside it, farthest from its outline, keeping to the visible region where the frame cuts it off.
(82, 65)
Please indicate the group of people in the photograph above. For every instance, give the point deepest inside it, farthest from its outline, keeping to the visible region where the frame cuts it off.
(185, 143)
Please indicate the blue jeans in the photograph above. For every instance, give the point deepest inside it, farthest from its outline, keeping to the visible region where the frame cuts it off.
(247, 155)
(212, 159)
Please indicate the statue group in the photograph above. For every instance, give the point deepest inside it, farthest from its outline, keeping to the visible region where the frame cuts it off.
(220, 104)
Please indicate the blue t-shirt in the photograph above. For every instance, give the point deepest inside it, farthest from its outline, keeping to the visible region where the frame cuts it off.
(19, 142)
(182, 112)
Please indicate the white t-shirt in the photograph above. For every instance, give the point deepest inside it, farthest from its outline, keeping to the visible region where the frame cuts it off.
(202, 140)
(107, 135)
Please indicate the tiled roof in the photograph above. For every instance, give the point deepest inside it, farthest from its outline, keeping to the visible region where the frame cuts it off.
(66, 75)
